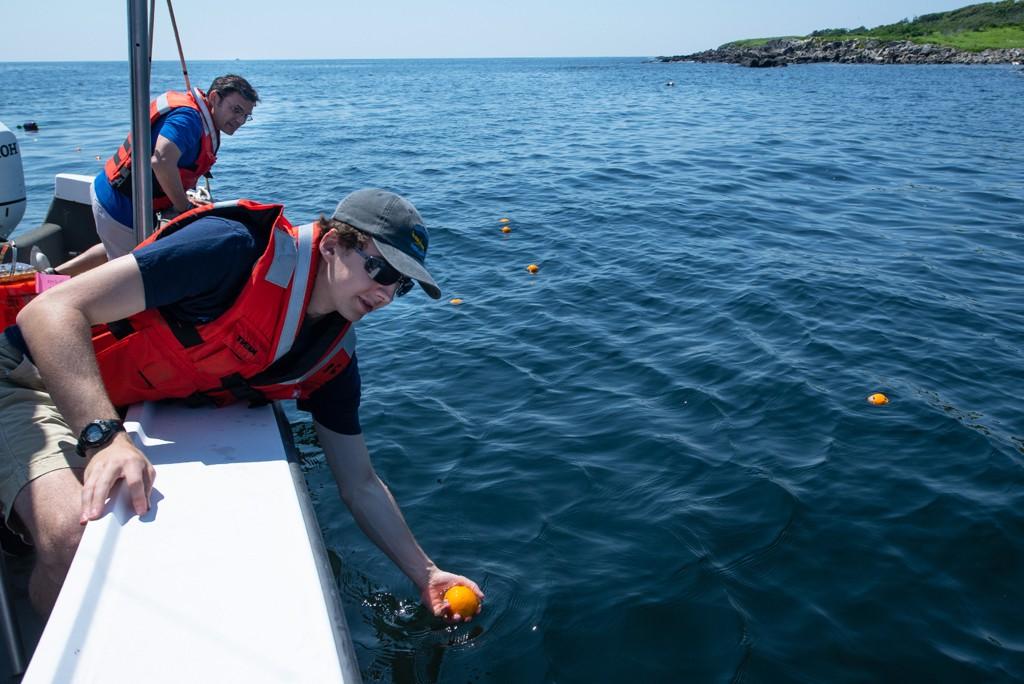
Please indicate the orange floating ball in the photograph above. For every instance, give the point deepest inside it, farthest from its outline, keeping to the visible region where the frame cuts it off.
(506, 229)
(878, 399)
(533, 268)
(462, 600)
(503, 220)
(456, 301)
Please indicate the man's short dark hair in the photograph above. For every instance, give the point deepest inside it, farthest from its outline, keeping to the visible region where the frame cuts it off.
(348, 236)
(232, 83)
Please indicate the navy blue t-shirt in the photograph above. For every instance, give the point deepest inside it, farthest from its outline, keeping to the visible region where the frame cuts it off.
(196, 273)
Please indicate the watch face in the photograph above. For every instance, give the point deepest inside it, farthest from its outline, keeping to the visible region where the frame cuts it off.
(94, 433)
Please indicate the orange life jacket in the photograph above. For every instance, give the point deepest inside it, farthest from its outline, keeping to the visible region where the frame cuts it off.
(151, 356)
(118, 168)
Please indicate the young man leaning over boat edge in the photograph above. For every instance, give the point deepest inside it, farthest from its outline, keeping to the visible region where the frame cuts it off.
(226, 303)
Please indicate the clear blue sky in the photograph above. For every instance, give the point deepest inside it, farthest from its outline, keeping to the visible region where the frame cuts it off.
(322, 29)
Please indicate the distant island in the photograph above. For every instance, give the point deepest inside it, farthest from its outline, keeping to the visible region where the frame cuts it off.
(986, 33)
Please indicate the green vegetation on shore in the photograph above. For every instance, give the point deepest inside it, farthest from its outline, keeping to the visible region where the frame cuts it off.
(976, 41)
(758, 42)
(974, 28)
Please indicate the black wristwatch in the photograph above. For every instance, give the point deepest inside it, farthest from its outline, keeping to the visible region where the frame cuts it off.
(98, 433)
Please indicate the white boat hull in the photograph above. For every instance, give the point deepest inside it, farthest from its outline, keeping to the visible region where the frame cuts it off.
(222, 581)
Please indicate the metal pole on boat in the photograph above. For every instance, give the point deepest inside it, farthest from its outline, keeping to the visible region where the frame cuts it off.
(142, 174)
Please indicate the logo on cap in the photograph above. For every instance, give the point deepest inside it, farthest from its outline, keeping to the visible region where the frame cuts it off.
(419, 236)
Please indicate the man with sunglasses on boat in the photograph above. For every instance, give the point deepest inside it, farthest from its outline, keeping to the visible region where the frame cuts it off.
(229, 302)
(186, 130)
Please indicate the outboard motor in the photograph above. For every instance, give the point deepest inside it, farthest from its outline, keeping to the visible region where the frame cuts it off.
(12, 183)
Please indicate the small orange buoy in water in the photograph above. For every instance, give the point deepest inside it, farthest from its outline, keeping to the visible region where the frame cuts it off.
(878, 399)
(533, 268)
(456, 301)
(462, 600)
(504, 220)
(506, 229)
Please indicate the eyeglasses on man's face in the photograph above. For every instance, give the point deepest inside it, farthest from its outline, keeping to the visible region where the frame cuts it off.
(238, 111)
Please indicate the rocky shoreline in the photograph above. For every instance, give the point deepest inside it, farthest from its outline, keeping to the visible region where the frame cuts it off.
(786, 51)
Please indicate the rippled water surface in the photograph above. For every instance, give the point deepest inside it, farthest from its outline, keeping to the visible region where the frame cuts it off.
(655, 455)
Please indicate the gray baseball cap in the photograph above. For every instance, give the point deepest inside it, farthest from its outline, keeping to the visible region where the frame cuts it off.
(396, 229)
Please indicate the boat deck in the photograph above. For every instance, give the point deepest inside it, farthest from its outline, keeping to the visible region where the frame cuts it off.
(224, 580)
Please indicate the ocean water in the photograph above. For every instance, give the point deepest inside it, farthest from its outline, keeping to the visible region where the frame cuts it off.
(655, 454)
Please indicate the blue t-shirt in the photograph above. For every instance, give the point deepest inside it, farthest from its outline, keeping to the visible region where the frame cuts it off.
(195, 275)
(183, 127)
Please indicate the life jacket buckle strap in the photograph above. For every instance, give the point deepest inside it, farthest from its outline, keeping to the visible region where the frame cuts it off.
(241, 390)
(187, 334)
(121, 329)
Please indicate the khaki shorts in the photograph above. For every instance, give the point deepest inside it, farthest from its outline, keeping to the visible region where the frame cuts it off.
(34, 439)
(117, 238)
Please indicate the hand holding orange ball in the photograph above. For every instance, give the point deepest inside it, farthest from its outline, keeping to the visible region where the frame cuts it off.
(453, 597)
(462, 601)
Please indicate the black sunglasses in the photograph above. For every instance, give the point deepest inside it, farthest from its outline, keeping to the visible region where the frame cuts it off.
(384, 273)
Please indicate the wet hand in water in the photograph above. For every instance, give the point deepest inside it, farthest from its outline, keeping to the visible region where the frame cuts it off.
(438, 584)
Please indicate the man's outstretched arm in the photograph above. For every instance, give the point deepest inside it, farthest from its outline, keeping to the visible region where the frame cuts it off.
(378, 515)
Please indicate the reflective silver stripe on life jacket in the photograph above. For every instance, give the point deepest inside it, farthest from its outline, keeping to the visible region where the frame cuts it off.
(282, 266)
(211, 130)
(162, 107)
(347, 343)
(299, 253)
